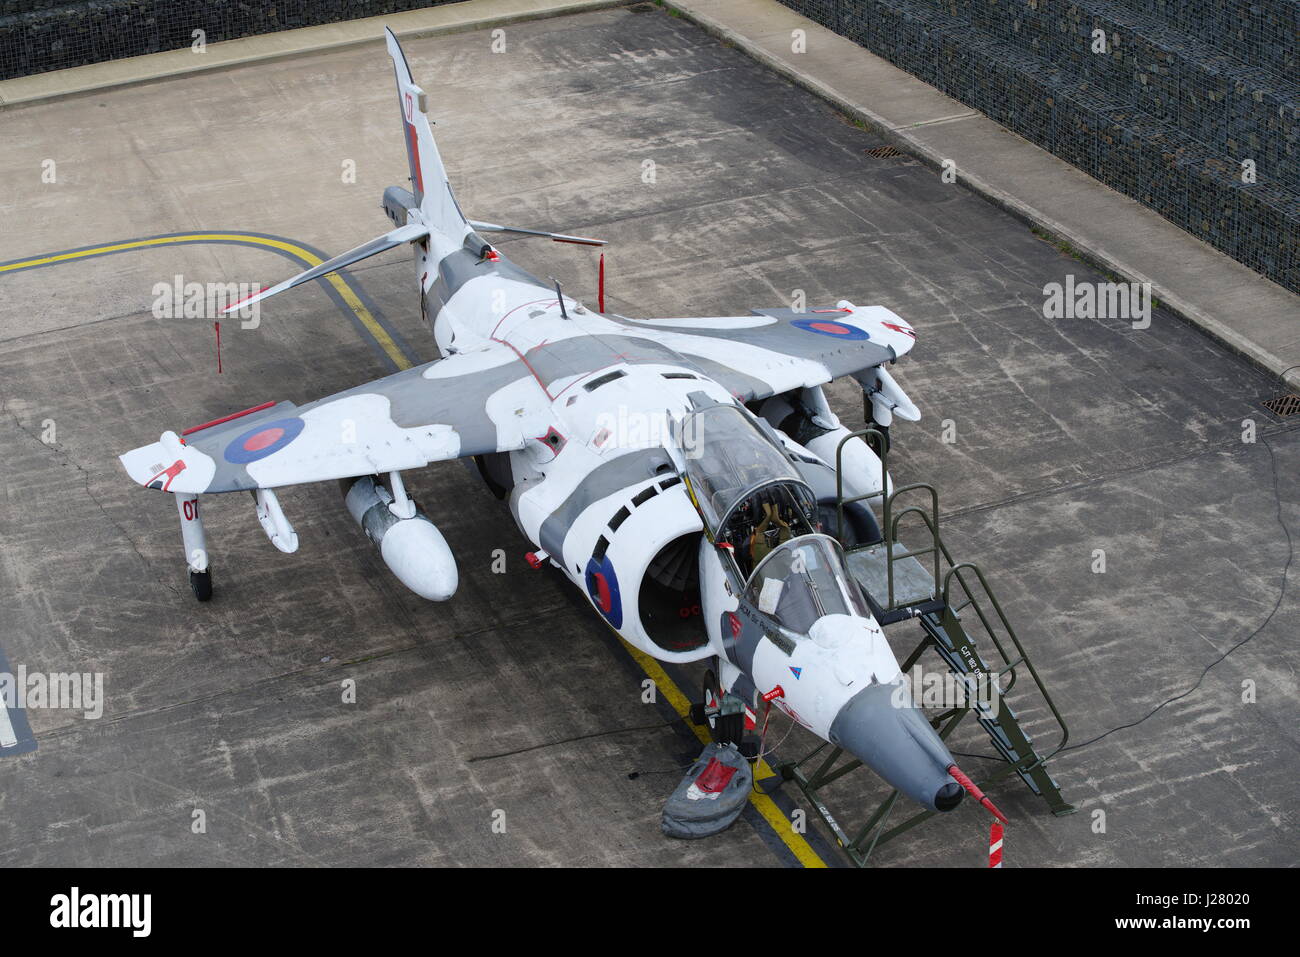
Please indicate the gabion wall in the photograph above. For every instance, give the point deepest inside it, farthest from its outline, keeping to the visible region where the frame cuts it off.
(41, 35)
(1185, 93)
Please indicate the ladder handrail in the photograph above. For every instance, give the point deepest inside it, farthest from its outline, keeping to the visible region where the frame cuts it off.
(931, 520)
(891, 537)
(890, 522)
(840, 501)
(955, 570)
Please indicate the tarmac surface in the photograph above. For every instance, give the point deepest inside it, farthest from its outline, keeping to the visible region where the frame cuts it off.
(511, 704)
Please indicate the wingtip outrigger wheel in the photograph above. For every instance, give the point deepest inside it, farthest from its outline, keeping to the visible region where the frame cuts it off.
(196, 545)
(201, 584)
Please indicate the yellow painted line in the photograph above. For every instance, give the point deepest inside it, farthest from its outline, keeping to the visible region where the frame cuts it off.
(311, 259)
(765, 806)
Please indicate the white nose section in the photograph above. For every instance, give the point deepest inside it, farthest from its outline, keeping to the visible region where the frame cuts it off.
(859, 653)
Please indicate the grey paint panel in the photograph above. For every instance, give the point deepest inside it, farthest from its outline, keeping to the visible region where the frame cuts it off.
(629, 471)
(213, 441)
(584, 354)
(754, 628)
(464, 264)
(459, 267)
(736, 381)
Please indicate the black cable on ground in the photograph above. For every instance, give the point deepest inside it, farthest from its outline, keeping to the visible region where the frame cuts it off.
(1286, 569)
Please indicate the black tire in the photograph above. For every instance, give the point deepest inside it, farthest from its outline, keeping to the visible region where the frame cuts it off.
(873, 442)
(697, 715)
(724, 730)
(730, 729)
(201, 584)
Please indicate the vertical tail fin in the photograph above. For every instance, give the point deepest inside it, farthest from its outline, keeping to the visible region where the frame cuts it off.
(428, 176)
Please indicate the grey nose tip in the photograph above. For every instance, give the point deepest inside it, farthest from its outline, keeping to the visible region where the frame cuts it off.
(948, 797)
(895, 739)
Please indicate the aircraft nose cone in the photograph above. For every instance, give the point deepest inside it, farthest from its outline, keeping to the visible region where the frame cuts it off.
(881, 726)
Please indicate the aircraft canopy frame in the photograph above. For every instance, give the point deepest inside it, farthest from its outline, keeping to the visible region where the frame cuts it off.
(728, 460)
(803, 580)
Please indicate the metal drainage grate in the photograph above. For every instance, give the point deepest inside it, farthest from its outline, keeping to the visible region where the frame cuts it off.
(1283, 405)
(883, 152)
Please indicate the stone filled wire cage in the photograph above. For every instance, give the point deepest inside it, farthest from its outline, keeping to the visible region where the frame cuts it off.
(37, 36)
(1189, 101)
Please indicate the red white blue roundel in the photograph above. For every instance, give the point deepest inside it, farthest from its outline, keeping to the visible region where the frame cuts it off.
(602, 586)
(831, 327)
(262, 440)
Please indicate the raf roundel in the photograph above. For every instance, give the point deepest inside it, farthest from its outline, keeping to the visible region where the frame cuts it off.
(262, 440)
(828, 327)
(602, 586)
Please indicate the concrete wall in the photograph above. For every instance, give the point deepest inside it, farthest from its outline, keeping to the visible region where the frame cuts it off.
(41, 35)
(1182, 95)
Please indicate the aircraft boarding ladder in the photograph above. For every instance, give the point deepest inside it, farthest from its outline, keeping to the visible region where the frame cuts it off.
(900, 587)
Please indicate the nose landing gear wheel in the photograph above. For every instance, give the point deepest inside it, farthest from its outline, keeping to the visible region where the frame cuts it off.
(725, 716)
(703, 711)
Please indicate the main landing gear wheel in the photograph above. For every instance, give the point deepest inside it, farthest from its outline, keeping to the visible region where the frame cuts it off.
(201, 584)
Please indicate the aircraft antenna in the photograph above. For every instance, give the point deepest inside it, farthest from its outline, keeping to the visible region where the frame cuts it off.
(560, 296)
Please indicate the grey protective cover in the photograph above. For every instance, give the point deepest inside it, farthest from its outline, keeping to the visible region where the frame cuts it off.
(704, 817)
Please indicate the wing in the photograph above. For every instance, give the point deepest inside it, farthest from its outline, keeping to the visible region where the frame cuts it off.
(776, 350)
(466, 404)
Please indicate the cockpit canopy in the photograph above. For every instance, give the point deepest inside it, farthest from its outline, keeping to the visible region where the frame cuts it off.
(752, 499)
(802, 581)
(748, 492)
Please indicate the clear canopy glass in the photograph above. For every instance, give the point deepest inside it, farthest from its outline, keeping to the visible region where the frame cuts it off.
(727, 459)
(803, 580)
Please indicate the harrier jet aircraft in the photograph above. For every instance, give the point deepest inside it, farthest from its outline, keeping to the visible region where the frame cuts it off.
(662, 465)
